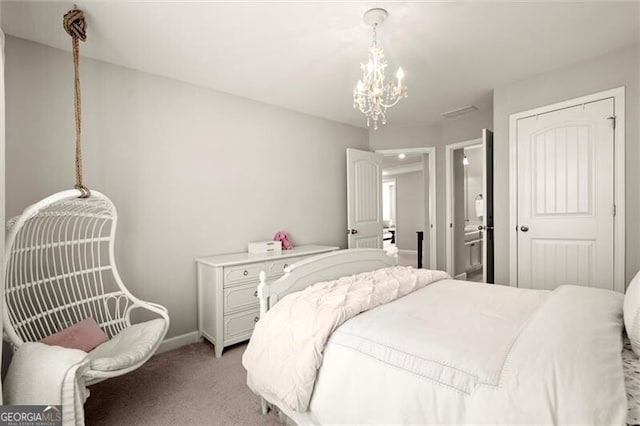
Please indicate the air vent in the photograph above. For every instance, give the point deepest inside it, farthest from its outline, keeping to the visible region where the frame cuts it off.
(456, 112)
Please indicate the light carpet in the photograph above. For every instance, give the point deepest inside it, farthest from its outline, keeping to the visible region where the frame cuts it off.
(187, 386)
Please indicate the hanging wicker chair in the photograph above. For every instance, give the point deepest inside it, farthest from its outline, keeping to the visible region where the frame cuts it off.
(60, 269)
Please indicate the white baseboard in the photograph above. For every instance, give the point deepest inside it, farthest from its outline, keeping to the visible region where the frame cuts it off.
(474, 268)
(414, 252)
(462, 276)
(178, 341)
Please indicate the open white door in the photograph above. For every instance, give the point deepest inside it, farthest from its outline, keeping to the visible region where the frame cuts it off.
(487, 218)
(364, 199)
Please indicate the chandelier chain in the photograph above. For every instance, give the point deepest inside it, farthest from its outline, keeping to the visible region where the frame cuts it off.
(375, 35)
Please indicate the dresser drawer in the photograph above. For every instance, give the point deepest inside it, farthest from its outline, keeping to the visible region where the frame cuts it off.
(239, 326)
(275, 268)
(236, 274)
(243, 296)
(228, 307)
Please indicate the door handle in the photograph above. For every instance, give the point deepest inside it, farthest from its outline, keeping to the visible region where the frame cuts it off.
(352, 231)
(480, 228)
(524, 228)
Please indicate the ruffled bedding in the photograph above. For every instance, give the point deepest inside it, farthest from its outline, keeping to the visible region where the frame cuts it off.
(285, 351)
(459, 352)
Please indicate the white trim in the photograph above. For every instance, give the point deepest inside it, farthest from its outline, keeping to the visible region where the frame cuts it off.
(424, 150)
(408, 252)
(178, 342)
(449, 199)
(432, 215)
(618, 95)
(513, 201)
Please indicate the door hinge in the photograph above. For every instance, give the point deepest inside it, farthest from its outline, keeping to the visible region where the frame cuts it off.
(615, 210)
(613, 120)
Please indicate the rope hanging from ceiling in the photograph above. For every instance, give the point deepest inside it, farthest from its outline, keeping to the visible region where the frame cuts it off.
(75, 25)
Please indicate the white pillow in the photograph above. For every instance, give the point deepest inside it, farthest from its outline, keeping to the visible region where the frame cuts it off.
(631, 311)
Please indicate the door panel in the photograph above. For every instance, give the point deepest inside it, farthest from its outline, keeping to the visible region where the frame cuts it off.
(562, 261)
(364, 199)
(563, 171)
(566, 197)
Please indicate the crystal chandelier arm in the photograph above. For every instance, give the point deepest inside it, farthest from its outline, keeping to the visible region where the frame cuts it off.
(392, 103)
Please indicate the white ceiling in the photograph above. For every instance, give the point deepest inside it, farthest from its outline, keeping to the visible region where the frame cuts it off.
(392, 160)
(305, 56)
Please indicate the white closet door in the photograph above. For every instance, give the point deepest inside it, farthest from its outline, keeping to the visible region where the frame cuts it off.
(364, 199)
(566, 197)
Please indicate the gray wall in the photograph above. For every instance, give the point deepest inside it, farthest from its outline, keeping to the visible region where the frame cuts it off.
(616, 69)
(192, 171)
(3, 358)
(410, 205)
(453, 130)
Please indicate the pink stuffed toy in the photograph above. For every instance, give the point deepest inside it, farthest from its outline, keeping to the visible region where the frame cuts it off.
(283, 237)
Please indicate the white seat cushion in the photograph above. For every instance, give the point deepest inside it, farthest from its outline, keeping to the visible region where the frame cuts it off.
(632, 313)
(128, 347)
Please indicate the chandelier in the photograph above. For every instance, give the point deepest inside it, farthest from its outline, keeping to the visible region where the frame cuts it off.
(372, 94)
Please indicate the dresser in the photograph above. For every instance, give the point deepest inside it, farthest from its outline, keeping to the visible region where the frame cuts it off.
(227, 291)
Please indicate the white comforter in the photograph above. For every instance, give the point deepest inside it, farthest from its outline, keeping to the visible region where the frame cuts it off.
(285, 351)
(458, 352)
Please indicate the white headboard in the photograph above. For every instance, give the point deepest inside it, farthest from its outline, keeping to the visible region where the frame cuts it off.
(324, 267)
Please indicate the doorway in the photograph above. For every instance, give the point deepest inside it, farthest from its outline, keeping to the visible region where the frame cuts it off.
(469, 193)
(567, 194)
(404, 194)
(409, 188)
(389, 216)
(365, 224)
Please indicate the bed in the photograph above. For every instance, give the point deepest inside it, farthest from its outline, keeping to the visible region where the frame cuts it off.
(443, 351)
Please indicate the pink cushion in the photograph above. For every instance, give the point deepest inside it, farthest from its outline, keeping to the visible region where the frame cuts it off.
(84, 335)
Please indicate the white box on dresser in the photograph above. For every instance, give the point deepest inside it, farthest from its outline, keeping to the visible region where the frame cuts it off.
(264, 246)
(227, 290)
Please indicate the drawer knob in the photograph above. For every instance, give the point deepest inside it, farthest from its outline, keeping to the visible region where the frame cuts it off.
(245, 273)
(256, 319)
(255, 293)
(286, 265)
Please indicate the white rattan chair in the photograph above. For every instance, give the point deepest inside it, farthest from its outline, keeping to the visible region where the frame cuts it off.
(60, 269)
